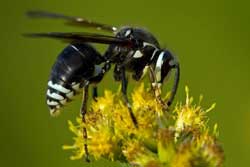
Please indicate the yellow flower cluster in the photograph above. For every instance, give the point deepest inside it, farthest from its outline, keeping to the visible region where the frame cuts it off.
(164, 138)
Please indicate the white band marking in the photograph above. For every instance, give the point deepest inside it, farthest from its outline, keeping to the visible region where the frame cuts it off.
(153, 55)
(54, 95)
(52, 103)
(158, 67)
(70, 94)
(58, 87)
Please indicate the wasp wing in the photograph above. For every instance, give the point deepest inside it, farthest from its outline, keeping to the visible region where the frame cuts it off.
(77, 21)
(83, 37)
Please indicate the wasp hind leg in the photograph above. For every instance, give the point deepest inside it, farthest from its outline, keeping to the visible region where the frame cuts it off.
(83, 113)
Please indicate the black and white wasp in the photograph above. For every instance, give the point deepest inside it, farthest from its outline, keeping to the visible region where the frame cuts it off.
(131, 50)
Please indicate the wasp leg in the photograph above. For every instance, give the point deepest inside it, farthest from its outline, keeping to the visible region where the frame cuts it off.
(176, 66)
(152, 78)
(94, 93)
(117, 74)
(96, 79)
(83, 113)
(124, 92)
(156, 87)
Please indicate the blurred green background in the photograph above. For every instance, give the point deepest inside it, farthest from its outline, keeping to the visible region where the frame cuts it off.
(210, 38)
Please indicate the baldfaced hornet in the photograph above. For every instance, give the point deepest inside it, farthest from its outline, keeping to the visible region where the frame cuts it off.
(131, 50)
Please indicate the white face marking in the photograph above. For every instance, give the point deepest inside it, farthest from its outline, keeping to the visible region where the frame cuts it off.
(58, 87)
(128, 32)
(54, 95)
(158, 67)
(137, 54)
(52, 103)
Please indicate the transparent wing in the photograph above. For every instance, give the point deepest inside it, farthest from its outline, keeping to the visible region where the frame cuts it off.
(71, 20)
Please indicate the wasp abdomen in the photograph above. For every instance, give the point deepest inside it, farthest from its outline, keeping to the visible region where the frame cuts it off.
(58, 95)
(72, 69)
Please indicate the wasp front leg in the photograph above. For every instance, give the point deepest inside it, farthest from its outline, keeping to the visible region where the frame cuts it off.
(155, 86)
(157, 77)
(175, 66)
(124, 92)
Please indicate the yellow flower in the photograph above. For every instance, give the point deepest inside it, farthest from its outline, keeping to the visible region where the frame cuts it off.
(189, 115)
(177, 138)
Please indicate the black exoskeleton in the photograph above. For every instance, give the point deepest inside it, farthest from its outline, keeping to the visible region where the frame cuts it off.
(131, 50)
